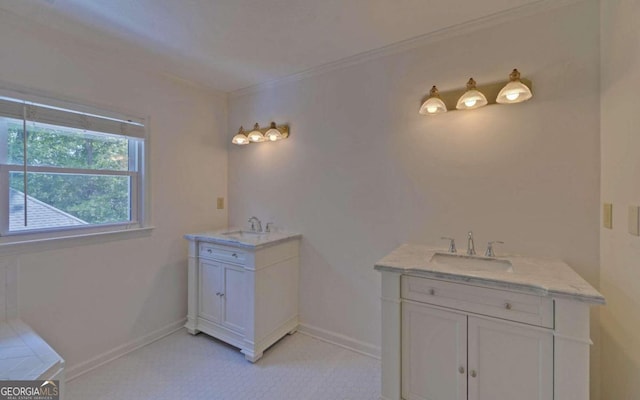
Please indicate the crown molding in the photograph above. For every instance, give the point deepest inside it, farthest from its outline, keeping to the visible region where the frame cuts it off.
(409, 44)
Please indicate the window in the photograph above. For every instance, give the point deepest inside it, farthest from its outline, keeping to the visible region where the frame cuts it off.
(62, 170)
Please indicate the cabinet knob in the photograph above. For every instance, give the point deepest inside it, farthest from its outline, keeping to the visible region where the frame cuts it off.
(234, 255)
(432, 292)
(221, 294)
(209, 251)
(473, 373)
(461, 370)
(217, 293)
(508, 306)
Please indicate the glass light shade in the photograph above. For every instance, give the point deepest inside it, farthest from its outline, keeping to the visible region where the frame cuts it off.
(515, 91)
(273, 133)
(240, 138)
(434, 104)
(255, 135)
(472, 98)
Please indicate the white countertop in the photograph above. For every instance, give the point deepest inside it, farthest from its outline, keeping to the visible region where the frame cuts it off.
(24, 355)
(249, 241)
(544, 277)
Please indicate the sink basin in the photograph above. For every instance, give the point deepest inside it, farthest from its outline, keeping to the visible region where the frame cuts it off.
(244, 234)
(472, 263)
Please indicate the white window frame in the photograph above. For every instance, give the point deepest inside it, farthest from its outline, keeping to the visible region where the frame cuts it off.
(105, 121)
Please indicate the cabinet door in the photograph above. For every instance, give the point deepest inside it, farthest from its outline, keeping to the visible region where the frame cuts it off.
(434, 353)
(509, 361)
(234, 298)
(210, 286)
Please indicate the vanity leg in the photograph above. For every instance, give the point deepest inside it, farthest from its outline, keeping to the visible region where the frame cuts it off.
(193, 331)
(252, 357)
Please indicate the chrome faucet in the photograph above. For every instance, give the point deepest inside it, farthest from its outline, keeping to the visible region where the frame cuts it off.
(254, 221)
(471, 248)
(489, 252)
(452, 244)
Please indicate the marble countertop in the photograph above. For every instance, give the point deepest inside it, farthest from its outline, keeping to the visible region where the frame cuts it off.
(24, 355)
(249, 241)
(544, 277)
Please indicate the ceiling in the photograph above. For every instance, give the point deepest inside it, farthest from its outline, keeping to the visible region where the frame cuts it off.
(233, 44)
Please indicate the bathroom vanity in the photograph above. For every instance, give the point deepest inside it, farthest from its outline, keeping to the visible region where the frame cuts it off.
(458, 327)
(243, 287)
(24, 355)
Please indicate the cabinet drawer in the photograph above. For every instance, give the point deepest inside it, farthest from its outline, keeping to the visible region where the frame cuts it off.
(529, 309)
(226, 254)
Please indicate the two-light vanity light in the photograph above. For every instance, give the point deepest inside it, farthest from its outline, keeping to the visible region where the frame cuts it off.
(271, 134)
(515, 91)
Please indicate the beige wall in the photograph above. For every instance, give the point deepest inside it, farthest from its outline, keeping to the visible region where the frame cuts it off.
(620, 252)
(89, 299)
(363, 172)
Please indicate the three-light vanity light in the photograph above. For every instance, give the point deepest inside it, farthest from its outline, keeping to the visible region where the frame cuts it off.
(517, 90)
(271, 134)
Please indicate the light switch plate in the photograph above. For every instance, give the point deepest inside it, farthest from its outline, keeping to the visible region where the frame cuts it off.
(220, 203)
(634, 220)
(607, 215)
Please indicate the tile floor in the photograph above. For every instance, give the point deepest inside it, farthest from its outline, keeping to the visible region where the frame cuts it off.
(182, 366)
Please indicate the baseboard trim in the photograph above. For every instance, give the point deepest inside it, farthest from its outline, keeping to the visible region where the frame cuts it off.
(341, 340)
(108, 356)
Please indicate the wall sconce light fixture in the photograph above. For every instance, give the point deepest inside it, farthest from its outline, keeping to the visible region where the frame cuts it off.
(434, 104)
(272, 134)
(472, 98)
(516, 90)
(255, 135)
(240, 138)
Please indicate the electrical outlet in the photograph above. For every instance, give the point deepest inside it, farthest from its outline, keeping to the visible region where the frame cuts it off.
(607, 215)
(220, 203)
(634, 220)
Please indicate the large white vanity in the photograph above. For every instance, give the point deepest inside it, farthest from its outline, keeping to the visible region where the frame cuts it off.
(243, 287)
(457, 327)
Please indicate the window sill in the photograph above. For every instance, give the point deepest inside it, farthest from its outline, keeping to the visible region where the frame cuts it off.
(16, 246)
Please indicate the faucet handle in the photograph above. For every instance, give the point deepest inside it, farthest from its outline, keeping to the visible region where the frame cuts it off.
(268, 227)
(489, 252)
(471, 247)
(452, 244)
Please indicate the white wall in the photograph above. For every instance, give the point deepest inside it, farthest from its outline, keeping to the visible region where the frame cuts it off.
(362, 172)
(620, 252)
(89, 299)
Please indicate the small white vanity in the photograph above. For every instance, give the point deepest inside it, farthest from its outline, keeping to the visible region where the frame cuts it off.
(24, 355)
(243, 287)
(458, 327)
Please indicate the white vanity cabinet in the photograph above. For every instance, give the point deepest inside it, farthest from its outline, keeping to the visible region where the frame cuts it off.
(454, 334)
(221, 294)
(509, 360)
(453, 353)
(244, 295)
(434, 353)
